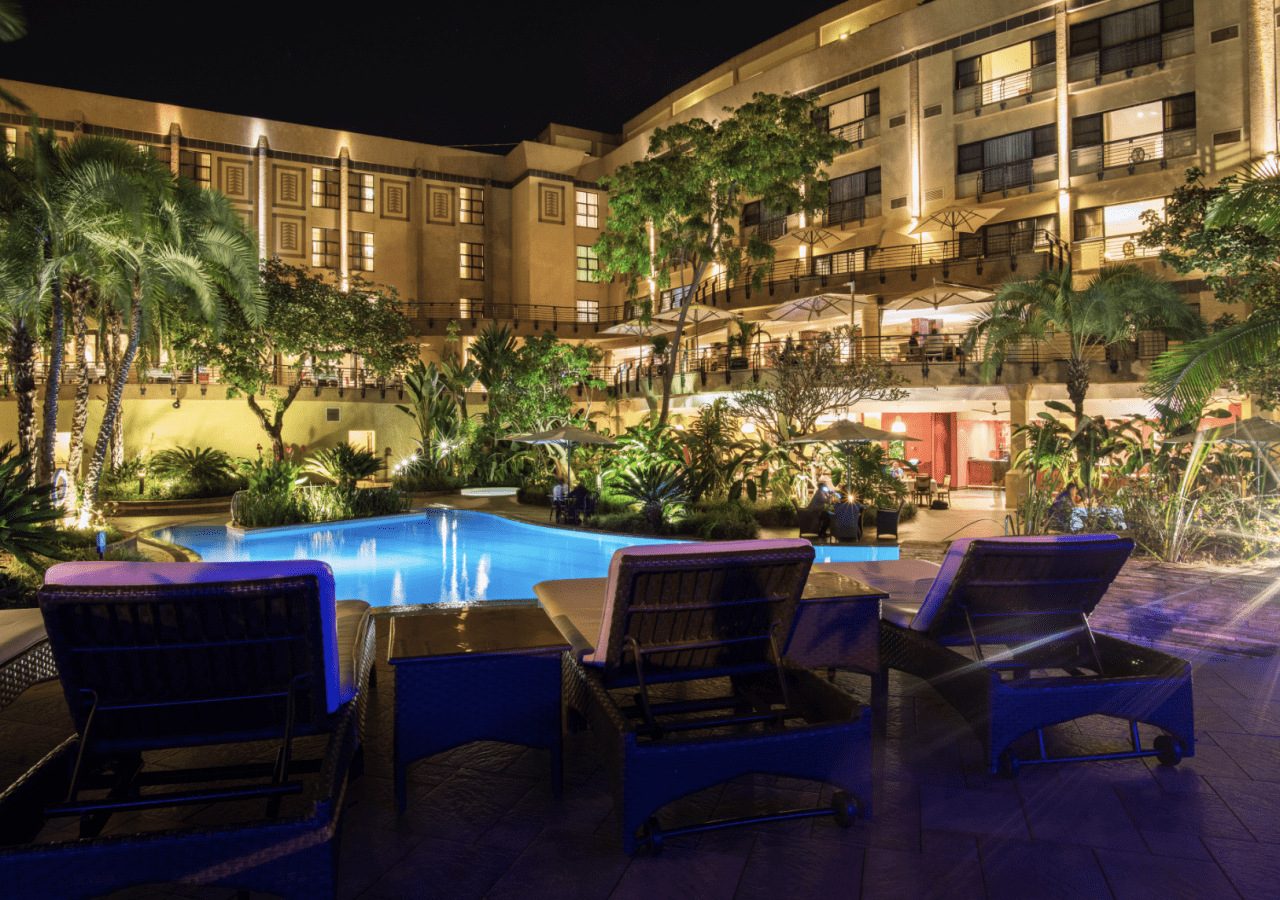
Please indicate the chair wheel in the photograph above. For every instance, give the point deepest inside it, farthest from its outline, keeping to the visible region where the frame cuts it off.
(845, 808)
(651, 834)
(1168, 750)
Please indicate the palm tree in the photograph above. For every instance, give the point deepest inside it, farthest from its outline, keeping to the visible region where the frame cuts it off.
(185, 251)
(1188, 375)
(1109, 310)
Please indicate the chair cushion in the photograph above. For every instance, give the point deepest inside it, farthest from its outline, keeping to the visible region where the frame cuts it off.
(576, 606)
(127, 574)
(20, 630)
(350, 613)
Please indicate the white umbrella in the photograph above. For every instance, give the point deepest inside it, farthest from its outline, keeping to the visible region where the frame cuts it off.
(807, 309)
(957, 219)
(843, 434)
(696, 313)
(638, 328)
(567, 436)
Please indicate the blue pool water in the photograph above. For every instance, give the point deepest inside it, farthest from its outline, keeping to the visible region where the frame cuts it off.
(439, 555)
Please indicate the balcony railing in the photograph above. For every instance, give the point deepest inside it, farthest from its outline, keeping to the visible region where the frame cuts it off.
(855, 209)
(1096, 251)
(772, 229)
(860, 131)
(1001, 179)
(1009, 87)
(1132, 152)
(1126, 57)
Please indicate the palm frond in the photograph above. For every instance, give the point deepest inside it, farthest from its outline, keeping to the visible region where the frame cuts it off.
(1188, 375)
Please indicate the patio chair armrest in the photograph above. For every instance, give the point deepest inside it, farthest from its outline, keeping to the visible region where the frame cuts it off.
(579, 646)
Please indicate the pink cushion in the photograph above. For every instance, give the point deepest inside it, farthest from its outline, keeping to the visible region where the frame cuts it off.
(125, 574)
(703, 549)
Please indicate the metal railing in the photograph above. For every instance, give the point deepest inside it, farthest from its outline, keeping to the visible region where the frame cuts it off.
(1155, 48)
(859, 131)
(772, 229)
(1095, 252)
(1008, 87)
(1134, 151)
(1024, 173)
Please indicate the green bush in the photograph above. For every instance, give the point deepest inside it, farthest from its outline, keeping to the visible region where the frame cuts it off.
(319, 503)
(378, 502)
(726, 521)
(420, 479)
(781, 513)
(194, 472)
(256, 509)
(343, 465)
(624, 522)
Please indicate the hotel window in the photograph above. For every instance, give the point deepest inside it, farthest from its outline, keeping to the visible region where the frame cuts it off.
(326, 188)
(1118, 227)
(10, 142)
(197, 166)
(1135, 134)
(471, 261)
(848, 118)
(1005, 73)
(588, 310)
(847, 196)
(470, 308)
(471, 205)
(1131, 38)
(588, 263)
(588, 203)
(360, 250)
(360, 191)
(1009, 238)
(324, 248)
(1007, 161)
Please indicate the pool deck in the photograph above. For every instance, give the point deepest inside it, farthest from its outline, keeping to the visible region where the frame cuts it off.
(481, 820)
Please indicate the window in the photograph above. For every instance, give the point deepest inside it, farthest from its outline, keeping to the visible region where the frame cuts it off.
(1009, 238)
(360, 250)
(326, 187)
(360, 191)
(471, 205)
(848, 117)
(588, 263)
(1134, 134)
(588, 215)
(1131, 38)
(470, 308)
(1118, 227)
(10, 142)
(471, 261)
(588, 310)
(324, 248)
(197, 166)
(846, 196)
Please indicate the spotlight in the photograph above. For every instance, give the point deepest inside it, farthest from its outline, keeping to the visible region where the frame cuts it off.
(177, 404)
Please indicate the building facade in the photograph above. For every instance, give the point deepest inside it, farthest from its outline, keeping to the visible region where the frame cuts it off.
(1061, 123)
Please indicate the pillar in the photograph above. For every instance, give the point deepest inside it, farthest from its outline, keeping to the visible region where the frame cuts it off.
(915, 197)
(1062, 113)
(1015, 483)
(344, 219)
(264, 196)
(1262, 77)
(175, 148)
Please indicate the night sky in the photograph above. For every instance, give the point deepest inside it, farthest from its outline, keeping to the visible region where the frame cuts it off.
(446, 72)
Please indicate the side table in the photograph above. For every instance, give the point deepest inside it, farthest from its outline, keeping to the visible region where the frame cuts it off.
(489, 671)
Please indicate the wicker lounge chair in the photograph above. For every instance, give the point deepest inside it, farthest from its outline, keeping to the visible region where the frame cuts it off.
(25, 657)
(1001, 630)
(675, 622)
(160, 657)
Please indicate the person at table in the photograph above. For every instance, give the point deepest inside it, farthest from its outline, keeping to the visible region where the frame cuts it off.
(559, 493)
(934, 345)
(823, 499)
(1060, 512)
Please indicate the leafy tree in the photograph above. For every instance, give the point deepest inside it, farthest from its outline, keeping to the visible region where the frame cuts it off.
(1110, 309)
(433, 407)
(1231, 233)
(810, 380)
(307, 323)
(546, 371)
(674, 214)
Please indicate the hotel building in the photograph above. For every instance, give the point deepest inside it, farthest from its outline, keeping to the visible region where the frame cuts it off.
(1062, 122)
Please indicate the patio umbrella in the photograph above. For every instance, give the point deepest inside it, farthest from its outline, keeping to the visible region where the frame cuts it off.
(697, 313)
(844, 434)
(957, 219)
(568, 437)
(638, 328)
(807, 309)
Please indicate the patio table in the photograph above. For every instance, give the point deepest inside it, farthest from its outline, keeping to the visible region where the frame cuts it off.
(488, 671)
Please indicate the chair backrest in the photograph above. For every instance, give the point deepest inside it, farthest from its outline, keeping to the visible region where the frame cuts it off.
(187, 653)
(1015, 588)
(946, 482)
(924, 482)
(699, 609)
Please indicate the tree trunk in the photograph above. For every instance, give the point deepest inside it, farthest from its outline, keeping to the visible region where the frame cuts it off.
(52, 382)
(668, 377)
(273, 425)
(22, 362)
(79, 298)
(1077, 386)
(112, 328)
(115, 398)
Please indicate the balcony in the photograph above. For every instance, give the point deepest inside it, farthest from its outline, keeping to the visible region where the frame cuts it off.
(859, 132)
(1021, 176)
(1094, 252)
(772, 229)
(853, 210)
(1153, 49)
(1009, 87)
(1130, 153)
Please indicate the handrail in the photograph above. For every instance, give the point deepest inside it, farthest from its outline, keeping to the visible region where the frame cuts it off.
(859, 130)
(1007, 87)
(1153, 48)
(1133, 151)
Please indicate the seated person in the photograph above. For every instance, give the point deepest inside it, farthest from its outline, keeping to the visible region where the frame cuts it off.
(1063, 506)
(934, 345)
(559, 493)
(577, 504)
(823, 499)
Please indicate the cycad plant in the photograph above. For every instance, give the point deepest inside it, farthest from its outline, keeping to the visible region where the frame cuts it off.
(203, 468)
(656, 486)
(344, 465)
(28, 515)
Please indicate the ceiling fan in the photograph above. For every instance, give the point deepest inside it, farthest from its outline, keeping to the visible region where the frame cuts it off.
(994, 411)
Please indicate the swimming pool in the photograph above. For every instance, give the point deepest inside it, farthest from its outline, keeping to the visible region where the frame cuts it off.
(439, 555)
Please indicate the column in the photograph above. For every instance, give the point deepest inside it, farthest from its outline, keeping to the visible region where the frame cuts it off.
(1262, 77)
(264, 196)
(344, 219)
(1062, 112)
(915, 197)
(175, 148)
(1015, 483)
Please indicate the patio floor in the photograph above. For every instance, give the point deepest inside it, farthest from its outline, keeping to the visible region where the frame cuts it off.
(482, 822)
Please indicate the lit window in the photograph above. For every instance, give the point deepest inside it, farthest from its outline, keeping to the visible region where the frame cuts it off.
(588, 263)
(326, 188)
(588, 203)
(470, 308)
(471, 261)
(471, 205)
(324, 248)
(10, 142)
(196, 166)
(1118, 227)
(360, 250)
(360, 191)
(588, 310)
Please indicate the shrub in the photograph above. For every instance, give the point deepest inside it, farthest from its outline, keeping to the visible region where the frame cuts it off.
(343, 465)
(418, 477)
(28, 514)
(657, 487)
(275, 476)
(198, 472)
(624, 522)
(378, 502)
(258, 509)
(726, 521)
(781, 513)
(317, 503)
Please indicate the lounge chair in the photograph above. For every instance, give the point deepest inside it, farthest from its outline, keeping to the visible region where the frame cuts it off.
(160, 657)
(674, 622)
(1001, 630)
(25, 656)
